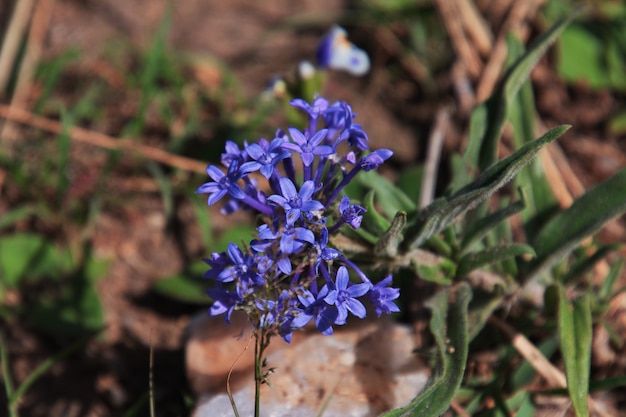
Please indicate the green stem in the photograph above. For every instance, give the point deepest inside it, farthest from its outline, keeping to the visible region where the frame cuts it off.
(6, 375)
(258, 352)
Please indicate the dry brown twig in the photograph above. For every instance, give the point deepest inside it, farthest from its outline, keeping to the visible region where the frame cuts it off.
(476, 27)
(450, 15)
(553, 376)
(519, 12)
(435, 144)
(36, 36)
(101, 140)
(12, 39)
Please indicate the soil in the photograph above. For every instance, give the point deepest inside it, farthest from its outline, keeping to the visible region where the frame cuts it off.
(256, 40)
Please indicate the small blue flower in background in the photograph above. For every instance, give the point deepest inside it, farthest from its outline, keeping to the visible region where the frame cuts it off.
(275, 279)
(337, 52)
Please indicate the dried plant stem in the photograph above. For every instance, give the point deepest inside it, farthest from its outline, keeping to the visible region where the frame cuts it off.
(476, 27)
(230, 373)
(101, 140)
(36, 35)
(520, 11)
(435, 144)
(551, 373)
(450, 15)
(13, 37)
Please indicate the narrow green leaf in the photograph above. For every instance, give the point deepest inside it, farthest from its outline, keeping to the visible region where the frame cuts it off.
(479, 229)
(606, 289)
(443, 211)
(187, 287)
(15, 215)
(449, 327)
(585, 264)
(7, 378)
(575, 331)
(439, 274)
(476, 260)
(388, 243)
(373, 222)
(390, 198)
(47, 364)
(583, 218)
(488, 119)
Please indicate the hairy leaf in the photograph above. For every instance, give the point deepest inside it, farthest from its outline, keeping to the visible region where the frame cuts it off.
(476, 260)
(443, 211)
(584, 218)
(449, 327)
(488, 119)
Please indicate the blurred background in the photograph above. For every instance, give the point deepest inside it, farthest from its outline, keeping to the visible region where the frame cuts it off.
(110, 111)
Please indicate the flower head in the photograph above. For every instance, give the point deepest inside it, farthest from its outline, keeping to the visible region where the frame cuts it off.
(291, 273)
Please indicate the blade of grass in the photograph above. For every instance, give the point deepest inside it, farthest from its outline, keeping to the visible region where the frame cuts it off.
(6, 375)
(575, 329)
(46, 365)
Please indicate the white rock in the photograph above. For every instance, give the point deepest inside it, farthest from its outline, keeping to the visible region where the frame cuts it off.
(357, 372)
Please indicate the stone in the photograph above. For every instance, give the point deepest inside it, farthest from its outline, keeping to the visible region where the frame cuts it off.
(361, 370)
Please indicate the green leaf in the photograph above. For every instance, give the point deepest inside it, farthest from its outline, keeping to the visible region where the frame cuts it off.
(373, 222)
(488, 119)
(390, 198)
(237, 235)
(27, 256)
(479, 229)
(449, 327)
(74, 311)
(388, 243)
(441, 273)
(443, 211)
(410, 181)
(583, 218)
(18, 213)
(188, 287)
(476, 260)
(584, 264)
(575, 330)
(43, 367)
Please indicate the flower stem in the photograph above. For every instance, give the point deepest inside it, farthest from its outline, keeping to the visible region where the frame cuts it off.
(258, 365)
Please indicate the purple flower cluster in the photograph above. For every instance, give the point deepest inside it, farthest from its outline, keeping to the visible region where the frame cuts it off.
(290, 274)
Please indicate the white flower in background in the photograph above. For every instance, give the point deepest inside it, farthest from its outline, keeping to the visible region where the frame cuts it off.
(337, 52)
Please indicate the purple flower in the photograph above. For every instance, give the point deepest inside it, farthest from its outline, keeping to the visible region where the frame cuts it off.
(351, 213)
(323, 252)
(222, 184)
(296, 203)
(315, 307)
(293, 239)
(343, 295)
(242, 268)
(266, 156)
(375, 159)
(308, 147)
(319, 105)
(224, 301)
(340, 117)
(382, 297)
(233, 153)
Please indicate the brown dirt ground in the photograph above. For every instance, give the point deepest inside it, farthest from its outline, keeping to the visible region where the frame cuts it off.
(113, 372)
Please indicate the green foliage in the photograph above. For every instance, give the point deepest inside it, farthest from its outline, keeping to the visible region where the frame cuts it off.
(575, 329)
(584, 218)
(449, 328)
(446, 210)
